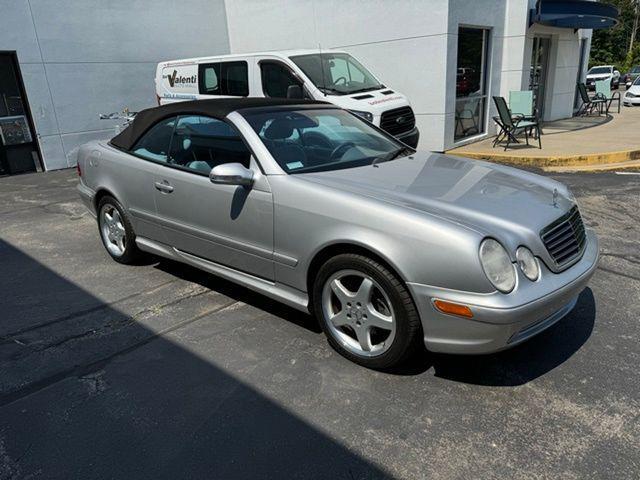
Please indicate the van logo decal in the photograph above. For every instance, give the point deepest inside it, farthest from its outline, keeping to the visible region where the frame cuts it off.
(174, 79)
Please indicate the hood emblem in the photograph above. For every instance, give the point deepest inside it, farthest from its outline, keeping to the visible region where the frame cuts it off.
(400, 120)
(554, 200)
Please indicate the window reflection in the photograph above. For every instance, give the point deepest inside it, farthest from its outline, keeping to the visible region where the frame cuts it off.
(471, 82)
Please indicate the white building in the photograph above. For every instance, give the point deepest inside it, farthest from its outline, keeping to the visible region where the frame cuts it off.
(80, 58)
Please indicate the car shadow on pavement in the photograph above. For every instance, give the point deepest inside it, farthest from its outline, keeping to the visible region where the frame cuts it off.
(529, 360)
(87, 391)
(512, 367)
(239, 293)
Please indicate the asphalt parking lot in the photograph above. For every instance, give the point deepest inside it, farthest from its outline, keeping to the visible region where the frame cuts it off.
(161, 371)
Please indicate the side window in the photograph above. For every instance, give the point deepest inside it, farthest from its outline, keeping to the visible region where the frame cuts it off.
(226, 78)
(235, 79)
(276, 79)
(201, 143)
(154, 145)
(210, 84)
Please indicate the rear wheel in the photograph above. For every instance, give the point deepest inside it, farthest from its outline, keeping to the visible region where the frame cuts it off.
(366, 312)
(116, 231)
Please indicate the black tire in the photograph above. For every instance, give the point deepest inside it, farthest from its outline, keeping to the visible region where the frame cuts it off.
(408, 339)
(131, 251)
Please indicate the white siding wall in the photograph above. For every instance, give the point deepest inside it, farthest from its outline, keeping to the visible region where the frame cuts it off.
(403, 43)
(80, 58)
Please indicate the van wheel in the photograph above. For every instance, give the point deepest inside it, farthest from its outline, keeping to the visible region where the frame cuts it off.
(366, 312)
(116, 231)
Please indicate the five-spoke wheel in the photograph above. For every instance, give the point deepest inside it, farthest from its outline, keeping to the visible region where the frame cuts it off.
(116, 231)
(113, 232)
(359, 312)
(366, 311)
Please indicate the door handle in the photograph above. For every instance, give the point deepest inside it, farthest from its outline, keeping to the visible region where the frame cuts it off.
(163, 187)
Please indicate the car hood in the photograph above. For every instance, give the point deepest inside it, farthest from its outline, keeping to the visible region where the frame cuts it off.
(635, 89)
(375, 102)
(599, 76)
(489, 198)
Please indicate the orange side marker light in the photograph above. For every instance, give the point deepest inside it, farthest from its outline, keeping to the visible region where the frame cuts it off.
(453, 308)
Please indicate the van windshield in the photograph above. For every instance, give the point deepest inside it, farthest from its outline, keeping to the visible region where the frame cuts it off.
(599, 70)
(336, 73)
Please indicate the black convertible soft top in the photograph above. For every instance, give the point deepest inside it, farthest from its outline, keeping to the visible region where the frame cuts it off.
(217, 108)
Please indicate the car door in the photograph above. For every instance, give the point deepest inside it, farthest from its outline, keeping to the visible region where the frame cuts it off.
(136, 176)
(228, 224)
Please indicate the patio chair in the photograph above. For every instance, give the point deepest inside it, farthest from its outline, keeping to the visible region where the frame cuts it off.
(469, 112)
(511, 125)
(589, 104)
(521, 103)
(603, 91)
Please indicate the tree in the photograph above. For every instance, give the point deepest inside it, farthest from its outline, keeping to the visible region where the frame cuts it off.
(617, 45)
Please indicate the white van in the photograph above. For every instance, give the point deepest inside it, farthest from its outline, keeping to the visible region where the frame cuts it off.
(331, 76)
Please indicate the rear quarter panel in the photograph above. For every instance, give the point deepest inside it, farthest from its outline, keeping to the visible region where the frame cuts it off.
(129, 179)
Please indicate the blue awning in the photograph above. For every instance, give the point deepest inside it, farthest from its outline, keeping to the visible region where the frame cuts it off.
(574, 14)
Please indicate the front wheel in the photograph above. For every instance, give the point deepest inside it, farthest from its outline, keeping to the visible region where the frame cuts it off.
(366, 312)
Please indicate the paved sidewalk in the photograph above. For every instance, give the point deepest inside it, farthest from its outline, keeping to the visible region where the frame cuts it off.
(571, 142)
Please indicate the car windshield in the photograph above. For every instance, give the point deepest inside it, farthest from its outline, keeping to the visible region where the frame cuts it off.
(637, 81)
(336, 73)
(322, 139)
(599, 70)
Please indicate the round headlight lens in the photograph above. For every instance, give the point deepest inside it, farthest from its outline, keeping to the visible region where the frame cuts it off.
(528, 263)
(497, 265)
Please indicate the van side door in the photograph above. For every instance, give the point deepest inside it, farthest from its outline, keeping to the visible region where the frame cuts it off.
(224, 79)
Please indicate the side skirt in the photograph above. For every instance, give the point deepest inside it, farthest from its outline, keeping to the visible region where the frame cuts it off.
(279, 292)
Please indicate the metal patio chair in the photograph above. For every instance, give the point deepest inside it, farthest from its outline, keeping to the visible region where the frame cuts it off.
(521, 103)
(589, 104)
(603, 91)
(512, 125)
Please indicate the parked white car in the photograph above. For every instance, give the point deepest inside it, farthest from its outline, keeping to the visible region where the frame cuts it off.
(330, 76)
(602, 72)
(632, 95)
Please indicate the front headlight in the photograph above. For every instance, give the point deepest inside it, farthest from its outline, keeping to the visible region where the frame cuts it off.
(366, 115)
(528, 263)
(497, 265)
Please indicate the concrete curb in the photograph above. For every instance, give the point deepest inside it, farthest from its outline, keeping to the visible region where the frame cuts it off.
(577, 161)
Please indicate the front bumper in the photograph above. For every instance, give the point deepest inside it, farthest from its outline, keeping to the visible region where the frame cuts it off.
(501, 321)
(410, 138)
(631, 100)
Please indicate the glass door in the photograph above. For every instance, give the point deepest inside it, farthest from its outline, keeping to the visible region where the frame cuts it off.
(538, 73)
(471, 82)
(18, 149)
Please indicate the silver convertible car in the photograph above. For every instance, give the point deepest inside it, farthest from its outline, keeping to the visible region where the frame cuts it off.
(391, 249)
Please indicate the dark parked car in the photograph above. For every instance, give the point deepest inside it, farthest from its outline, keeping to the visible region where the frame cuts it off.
(630, 77)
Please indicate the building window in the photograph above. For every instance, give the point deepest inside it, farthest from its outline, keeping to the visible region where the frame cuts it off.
(471, 82)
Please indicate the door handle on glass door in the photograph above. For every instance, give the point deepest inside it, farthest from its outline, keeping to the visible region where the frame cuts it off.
(164, 187)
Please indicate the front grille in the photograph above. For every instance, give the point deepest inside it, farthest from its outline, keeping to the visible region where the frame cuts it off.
(398, 120)
(565, 238)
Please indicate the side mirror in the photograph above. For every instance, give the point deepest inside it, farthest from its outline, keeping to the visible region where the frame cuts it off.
(294, 91)
(231, 174)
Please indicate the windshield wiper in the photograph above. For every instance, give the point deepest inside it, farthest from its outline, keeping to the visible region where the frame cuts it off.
(366, 89)
(391, 156)
(332, 90)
